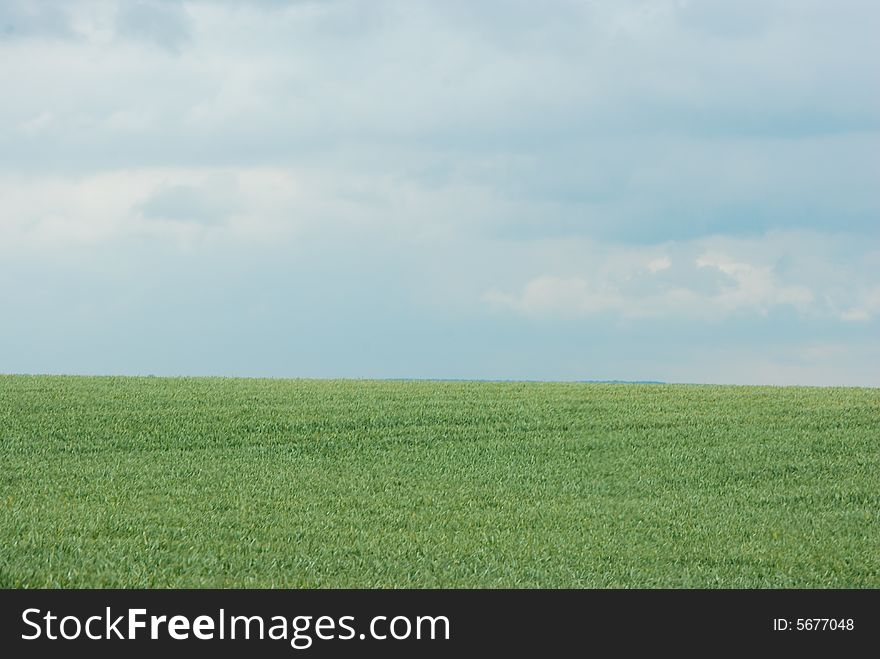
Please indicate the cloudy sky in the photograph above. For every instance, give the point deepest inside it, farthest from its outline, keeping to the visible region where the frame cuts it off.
(677, 190)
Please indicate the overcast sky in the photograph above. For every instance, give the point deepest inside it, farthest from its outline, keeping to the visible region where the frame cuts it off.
(675, 190)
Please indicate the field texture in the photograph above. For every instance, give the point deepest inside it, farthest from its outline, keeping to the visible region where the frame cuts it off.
(250, 483)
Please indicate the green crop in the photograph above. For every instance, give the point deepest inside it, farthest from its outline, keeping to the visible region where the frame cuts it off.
(153, 482)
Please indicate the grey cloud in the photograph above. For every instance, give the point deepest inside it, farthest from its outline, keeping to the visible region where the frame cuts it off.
(745, 18)
(24, 18)
(161, 22)
(622, 120)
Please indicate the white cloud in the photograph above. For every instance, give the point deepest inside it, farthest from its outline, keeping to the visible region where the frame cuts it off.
(662, 291)
(868, 307)
(36, 124)
(658, 264)
(242, 205)
(753, 287)
(554, 295)
(210, 202)
(118, 209)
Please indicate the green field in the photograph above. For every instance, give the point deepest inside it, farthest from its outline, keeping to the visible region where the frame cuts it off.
(157, 482)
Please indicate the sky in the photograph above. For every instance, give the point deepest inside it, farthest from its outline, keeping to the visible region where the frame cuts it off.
(673, 190)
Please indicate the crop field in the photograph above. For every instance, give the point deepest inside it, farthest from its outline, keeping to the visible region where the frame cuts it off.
(154, 482)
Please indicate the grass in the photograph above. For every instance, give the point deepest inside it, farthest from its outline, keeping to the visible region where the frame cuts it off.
(152, 482)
